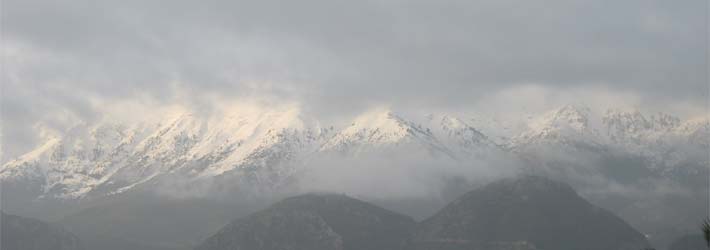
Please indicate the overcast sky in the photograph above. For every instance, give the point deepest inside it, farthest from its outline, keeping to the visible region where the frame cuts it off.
(67, 59)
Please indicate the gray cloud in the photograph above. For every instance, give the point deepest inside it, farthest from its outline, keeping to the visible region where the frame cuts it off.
(65, 57)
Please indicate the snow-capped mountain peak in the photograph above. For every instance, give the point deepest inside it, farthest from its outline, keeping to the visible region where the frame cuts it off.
(696, 130)
(567, 125)
(568, 117)
(116, 157)
(264, 147)
(461, 135)
(381, 129)
(632, 127)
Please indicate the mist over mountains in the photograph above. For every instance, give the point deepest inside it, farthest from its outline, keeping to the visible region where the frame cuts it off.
(223, 165)
(266, 149)
(176, 125)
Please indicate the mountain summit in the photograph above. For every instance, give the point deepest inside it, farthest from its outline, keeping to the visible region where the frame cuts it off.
(379, 130)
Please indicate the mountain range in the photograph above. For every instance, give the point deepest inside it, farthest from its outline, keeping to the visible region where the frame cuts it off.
(266, 150)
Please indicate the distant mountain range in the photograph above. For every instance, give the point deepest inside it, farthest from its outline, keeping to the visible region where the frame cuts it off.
(265, 150)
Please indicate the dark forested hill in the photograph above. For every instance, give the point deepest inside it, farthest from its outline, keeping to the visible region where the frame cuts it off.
(525, 213)
(315, 222)
(20, 233)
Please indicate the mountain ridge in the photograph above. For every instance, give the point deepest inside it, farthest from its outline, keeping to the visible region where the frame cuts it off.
(269, 147)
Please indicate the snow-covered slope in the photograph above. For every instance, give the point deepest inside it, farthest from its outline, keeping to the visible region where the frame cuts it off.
(569, 127)
(465, 139)
(664, 143)
(109, 158)
(70, 165)
(264, 147)
(664, 140)
(383, 129)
